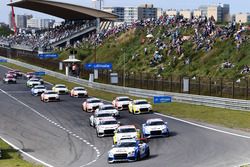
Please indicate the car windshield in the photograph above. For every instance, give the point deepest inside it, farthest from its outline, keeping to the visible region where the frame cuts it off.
(40, 87)
(126, 130)
(107, 108)
(104, 115)
(123, 99)
(60, 87)
(108, 122)
(155, 123)
(95, 101)
(141, 102)
(82, 89)
(126, 144)
(34, 79)
(51, 93)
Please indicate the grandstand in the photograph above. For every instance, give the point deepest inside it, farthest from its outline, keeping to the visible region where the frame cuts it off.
(79, 22)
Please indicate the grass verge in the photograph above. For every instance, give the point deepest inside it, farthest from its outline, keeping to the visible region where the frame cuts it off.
(11, 157)
(217, 116)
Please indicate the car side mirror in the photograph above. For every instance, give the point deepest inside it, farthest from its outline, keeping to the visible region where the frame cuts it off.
(138, 130)
(119, 122)
(115, 131)
(166, 123)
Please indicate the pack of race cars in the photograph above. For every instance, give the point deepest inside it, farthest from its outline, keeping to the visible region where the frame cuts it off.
(129, 143)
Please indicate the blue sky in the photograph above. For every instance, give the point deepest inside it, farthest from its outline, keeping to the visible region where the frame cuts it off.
(235, 5)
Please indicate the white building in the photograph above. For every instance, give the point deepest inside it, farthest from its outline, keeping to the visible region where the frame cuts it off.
(130, 15)
(197, 13)
(242, 18)
(171, 12)
(187, 14)
(33, 23)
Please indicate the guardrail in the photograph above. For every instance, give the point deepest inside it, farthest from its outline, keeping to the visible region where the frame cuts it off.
(234, 104)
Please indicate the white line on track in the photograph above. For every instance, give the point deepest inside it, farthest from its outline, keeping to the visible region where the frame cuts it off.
(54, 123)
(28, 155)
(205, 127)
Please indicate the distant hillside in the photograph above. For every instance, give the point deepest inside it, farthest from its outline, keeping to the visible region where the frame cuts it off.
(191, 59)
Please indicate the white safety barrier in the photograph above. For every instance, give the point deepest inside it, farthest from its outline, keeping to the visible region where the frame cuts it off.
(228, 103)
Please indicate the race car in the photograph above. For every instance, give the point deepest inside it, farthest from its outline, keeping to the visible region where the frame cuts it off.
(33, 82)
(29, 75)
(13, 73)
(129, 150)
(49, 95)
(155, 128)
(18, 73)
(38, 90)
(126, 132)
(38, 77)
(60, 89)
(78, 92)
(106, 126)
(121, 103)
(109, 108)
(139, 106)
(94, 119)
(91, 104)
(9, 79)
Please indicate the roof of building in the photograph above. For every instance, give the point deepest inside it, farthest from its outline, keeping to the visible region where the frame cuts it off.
(64, 10)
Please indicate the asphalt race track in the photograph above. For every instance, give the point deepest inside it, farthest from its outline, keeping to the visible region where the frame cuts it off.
(59, 134)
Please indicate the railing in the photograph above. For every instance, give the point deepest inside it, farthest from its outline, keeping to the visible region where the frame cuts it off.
(177, 97)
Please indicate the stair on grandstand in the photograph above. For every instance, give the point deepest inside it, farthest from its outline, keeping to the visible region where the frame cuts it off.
(73, 36)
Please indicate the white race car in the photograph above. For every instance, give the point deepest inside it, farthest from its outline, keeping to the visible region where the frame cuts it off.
(129, 150)
(91, 104)
(106, 126)
(126, 132)
(29, 75)
(60, 89)
(121, 103)
(94, 119)
(50, 95)
(155, 128)
(140, 106)
(9, 79)
(38, 90)
(110, 109)
(33, 82)
(78, 92)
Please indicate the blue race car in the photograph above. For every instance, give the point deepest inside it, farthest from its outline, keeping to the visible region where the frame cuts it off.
(155, 128)
(129, 150)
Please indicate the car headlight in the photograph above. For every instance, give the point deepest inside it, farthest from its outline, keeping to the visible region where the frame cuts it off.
(100, 129)
(165, 129)
(111, 154)
(131, 153)
(147, 131)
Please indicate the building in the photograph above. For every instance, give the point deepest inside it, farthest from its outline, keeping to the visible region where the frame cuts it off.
(11, 23)
(46, 23)
(171, 12)
(119, 11)
(220, 13)
(226, 12)
(147, 11)
(130, 15)
(33, 23)
(197, 13)
(242, 18)
(187, 14)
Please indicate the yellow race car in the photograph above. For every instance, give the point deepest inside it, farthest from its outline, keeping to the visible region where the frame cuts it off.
(126, 132)
(140, 106)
